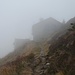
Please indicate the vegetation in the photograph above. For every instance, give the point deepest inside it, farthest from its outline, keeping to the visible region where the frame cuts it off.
(73, 27)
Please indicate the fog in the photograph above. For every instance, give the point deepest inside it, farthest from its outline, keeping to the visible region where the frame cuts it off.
(18, 16)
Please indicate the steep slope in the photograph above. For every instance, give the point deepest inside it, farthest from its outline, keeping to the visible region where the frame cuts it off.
(54, 56)
(59, 60)
(25, 50)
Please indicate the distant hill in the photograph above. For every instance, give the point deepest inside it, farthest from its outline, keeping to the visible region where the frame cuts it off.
(68, 24)
(63, 29)
(72, 20)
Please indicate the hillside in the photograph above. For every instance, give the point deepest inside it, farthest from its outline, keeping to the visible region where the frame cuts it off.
(54, 56)
(25, 50)
(60, 60)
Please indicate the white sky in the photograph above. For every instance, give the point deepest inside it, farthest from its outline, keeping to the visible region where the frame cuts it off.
(18, 16)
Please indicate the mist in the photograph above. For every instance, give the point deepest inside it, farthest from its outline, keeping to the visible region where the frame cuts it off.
(18, 16)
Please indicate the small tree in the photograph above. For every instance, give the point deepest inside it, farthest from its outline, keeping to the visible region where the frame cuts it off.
(73, 27)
